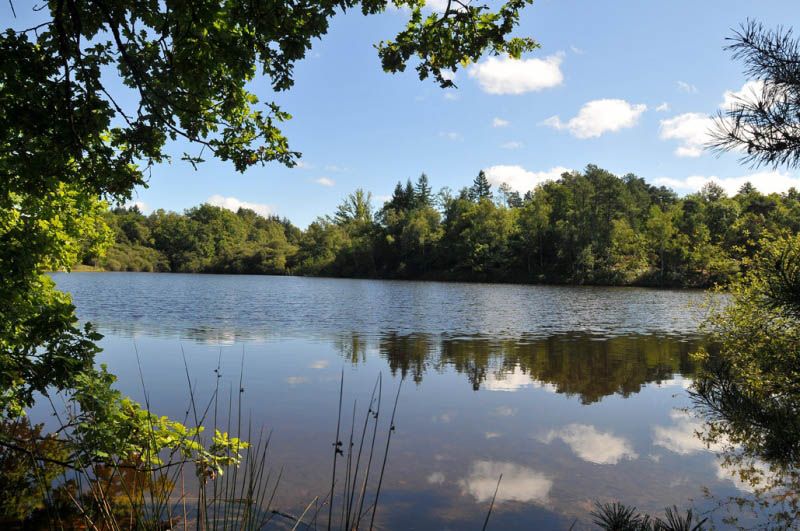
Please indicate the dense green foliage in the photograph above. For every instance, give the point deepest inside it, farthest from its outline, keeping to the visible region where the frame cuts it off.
(749, 392)
(205, 239)
(588, 227)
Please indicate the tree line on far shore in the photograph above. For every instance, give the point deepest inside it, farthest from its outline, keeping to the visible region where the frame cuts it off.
(589, 227)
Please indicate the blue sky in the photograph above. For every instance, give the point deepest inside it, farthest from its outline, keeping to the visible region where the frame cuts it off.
(623, 84)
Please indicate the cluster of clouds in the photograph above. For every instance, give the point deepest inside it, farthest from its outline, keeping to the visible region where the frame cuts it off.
(765, 181)
(523, 180)
(523, 484)
(693, 130)
(502, 75)
(527, 485)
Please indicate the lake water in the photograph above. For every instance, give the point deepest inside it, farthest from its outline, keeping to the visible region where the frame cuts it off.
(573, 394)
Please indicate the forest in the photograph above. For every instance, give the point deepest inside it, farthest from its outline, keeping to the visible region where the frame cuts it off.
(589, 227)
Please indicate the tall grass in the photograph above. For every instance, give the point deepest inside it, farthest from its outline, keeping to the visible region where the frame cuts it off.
(131, 492)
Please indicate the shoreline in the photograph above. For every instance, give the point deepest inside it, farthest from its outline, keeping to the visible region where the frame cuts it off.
(82, 268)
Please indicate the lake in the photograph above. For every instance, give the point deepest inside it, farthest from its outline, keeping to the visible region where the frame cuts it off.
(573, 394)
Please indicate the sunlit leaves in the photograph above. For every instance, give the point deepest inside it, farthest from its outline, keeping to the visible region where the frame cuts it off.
(455, 38)
(749, 393)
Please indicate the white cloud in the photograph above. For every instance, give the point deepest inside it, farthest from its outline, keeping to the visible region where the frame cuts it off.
(513, 380)
(503, 75)
(440, 6)
(451, 95)
(600, 116)
(679, 381)
(296, 380)
(602, 448)
(688, 88)
(335, 168)
(492, 434)
(664, 107)
(681, 438)
(512, 145)
(519, 483)
(765, 181)
(141, 205)
(319, 364)
(436, 478)
(450, 135)
(520, 179)
(301, 165)
(691, 129)
(749, 92)
(499, 122)
(233, 204)
(576, 50)
(325, 181)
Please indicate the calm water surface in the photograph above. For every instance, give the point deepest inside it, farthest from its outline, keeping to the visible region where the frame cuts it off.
(573, 394)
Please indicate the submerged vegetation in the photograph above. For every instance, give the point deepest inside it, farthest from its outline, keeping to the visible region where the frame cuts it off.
(588, 227)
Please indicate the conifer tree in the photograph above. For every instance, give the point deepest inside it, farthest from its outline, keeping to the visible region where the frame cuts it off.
(423, 191)
(480, 189)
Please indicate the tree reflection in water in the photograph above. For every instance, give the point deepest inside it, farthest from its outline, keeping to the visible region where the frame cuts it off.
(758, 440)
(577, 364)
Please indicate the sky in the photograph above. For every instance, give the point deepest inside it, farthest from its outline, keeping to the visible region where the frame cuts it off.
(627, 85)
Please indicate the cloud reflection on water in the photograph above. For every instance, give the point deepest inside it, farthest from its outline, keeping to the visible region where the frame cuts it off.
(681, 437)
(520, 483)
(592, 445)
(511, 380)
